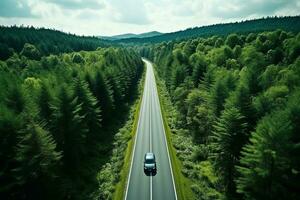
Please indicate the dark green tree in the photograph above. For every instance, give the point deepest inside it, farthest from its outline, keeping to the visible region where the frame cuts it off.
(44, 103)
(199, 67)
(31, 52)
(103, 93)
(232, 40)
(38, 161)
(227, 141)
(90, 112)
(69, 130)
(269, 165)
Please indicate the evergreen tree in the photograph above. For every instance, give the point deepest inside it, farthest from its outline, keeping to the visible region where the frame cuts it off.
(103, 94)
(90, 112)
(44, 101)
(31, 52)
(242, 100)
(10, 124)
(15, 99)
(232, 40)
(38, 162)
(199, 67)
(228, 139)
(219, 93)
(69, 130)
(269, 165)
(178, 76)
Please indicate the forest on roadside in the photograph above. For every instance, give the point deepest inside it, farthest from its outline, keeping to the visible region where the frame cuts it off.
(233, 106)
(59, 114)
(236, 112)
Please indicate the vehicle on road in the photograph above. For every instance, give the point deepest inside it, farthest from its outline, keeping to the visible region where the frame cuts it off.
(150, 164)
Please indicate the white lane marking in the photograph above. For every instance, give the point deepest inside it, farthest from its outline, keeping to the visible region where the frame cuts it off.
(165, 136)
(136, 134)
(150, 135)
(151, 187)
(150, 111)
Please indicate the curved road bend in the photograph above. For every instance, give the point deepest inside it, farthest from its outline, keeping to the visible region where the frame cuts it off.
(150, 137)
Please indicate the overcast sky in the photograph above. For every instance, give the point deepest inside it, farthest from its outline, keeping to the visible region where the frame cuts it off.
(111, 17)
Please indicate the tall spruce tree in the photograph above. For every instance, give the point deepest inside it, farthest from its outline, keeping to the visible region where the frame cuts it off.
(269, 164)
(227, 141)
(38, 161)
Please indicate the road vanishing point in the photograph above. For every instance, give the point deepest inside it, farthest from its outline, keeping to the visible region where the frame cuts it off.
(150, 137)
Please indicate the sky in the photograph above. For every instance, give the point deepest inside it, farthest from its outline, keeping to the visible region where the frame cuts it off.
(113, 17)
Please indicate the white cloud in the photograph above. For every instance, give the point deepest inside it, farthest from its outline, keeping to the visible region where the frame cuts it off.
(110, 17)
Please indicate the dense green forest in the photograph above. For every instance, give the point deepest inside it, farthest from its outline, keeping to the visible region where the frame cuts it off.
(264, 24)
(59, 114)
(46, 41)
(231, 98)
(235, 112)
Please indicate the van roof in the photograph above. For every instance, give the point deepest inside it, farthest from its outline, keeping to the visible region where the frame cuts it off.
(149, 155)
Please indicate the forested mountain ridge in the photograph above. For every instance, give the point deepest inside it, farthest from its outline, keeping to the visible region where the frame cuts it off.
(47, 41)
(235, 115)
(58, 117)
(264, 24)
(131, 35)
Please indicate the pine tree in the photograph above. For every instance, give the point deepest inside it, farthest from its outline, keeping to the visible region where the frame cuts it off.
(117, 93)
(90, 112)
(15, 99)
(219, 93)
(242, 100)
(227, 141)
(178, 77)
(270, 163)
(10, 124)
(68, 129)
(38, 163)
(43, 101)
(103, 94)
(199, 67)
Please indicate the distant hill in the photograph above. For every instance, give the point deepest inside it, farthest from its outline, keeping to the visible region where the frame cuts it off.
(256, 25)
(131, 35)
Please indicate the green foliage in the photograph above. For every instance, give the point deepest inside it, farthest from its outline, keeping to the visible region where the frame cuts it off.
(38, 162)
(10, 124)
(194, 179)
(5, 51)
(232, 40)
(44, 100)
(69, 129)
(53, 138)
(199, 64)
(90, 112)
(199, 117)
(42, 41)
(77, 58)
(290, 24)
(228, 98)
(219, 93)
(228, 138)
(103, 94)
(269, 166)
(15, 99)
(31, 52)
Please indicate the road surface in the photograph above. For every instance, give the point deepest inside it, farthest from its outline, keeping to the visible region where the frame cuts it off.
(150, 137)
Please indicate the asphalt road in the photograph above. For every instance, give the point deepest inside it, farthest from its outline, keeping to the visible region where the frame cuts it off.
(150, 137)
